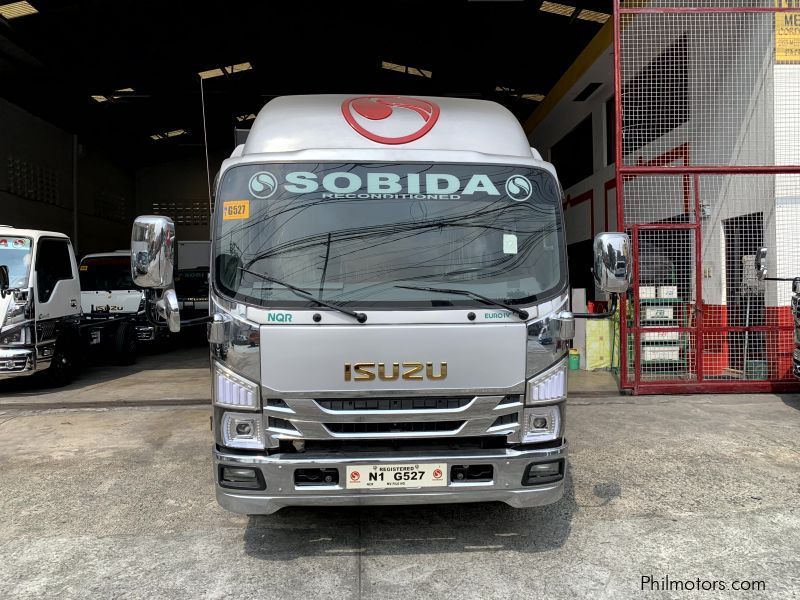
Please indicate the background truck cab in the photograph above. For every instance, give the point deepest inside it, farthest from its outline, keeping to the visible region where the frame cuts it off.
(42, 327)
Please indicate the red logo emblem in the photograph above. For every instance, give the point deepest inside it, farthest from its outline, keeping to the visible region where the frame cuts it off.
(437, 473)
(366, 111)
(355, 476)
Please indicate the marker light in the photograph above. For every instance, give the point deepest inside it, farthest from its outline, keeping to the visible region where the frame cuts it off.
(550, 386)
(541, 424)
(233, 390)
(242, 430)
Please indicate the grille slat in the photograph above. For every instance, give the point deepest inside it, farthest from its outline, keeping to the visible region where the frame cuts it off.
(416, 403)
(277, 423)
(411, 427)
(510, 419)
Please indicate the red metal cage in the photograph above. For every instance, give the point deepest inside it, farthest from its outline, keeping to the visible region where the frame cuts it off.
(707, 96)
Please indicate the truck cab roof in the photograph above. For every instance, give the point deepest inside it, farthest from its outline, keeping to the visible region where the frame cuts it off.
(292, 123)
(31, 233)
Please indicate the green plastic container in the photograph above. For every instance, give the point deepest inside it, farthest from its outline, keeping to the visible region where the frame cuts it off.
(756, 369)
(574, 359)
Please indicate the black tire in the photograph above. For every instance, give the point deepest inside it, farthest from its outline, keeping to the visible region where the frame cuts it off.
(64, 363)
(126, 345)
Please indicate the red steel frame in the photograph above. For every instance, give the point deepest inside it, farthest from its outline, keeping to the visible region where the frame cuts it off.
(625, 172)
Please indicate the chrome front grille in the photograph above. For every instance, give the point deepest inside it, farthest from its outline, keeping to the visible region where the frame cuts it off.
(407, 427)
(392, 418)
(395, 403)
(13, 365)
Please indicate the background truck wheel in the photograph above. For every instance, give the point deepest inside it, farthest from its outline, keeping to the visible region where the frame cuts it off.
(64, 363)
(126, 345)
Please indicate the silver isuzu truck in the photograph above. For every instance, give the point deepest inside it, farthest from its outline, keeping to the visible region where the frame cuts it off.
(388, 306)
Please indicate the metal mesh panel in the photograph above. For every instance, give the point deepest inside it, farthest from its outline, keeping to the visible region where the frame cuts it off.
(652, 199)
(710, 83)
(671, 358)
(748, 321)
(664, 291)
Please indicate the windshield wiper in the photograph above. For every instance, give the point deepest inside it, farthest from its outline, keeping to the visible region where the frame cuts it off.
(521, 313)
(358, 316)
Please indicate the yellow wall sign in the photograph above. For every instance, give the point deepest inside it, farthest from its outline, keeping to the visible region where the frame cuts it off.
(787, 33)
(235, 209)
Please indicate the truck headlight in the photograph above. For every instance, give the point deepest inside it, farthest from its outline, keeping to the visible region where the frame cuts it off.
(17, 335)
(549, 386)
(242, 430)
(232, 390)
(541, 424)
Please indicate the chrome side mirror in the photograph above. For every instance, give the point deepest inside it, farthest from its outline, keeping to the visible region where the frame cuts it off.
(612, 262)
(168, 309)
(219, 329)
(562, 326)
(4, 281)
(761, 264)
(152, 252)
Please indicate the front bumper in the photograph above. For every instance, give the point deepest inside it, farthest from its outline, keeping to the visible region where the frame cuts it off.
(145, 333)
(508, 464)
(17, 361)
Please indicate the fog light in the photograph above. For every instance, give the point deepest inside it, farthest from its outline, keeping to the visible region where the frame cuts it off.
(244, 478)
(541, 424)
(547, 472)
(242, 430)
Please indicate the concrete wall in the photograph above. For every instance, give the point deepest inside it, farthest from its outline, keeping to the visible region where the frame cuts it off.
(36, 184)
(178, 190)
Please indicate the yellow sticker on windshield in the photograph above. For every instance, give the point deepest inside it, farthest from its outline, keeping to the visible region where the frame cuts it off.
(84, 267)
(235, 209)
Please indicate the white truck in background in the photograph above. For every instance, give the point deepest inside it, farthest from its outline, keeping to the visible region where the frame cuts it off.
(389, 297)
(107, 288)
(192, 267)
(43, 328)
(106, 284)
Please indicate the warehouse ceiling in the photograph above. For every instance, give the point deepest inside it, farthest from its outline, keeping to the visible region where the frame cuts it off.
(124, 75)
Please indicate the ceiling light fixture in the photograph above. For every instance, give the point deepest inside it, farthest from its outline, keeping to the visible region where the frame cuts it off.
(16, 10)
(557, 9)
(120, 93)
(225, 70)
(390, 66)
(591, 15)
(514, 93)
(168, 134)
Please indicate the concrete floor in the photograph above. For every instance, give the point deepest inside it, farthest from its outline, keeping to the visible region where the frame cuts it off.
(161, 375)
(118, 503)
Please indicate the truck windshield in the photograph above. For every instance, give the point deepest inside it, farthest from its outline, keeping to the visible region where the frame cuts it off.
(15, 253)
(349, 233)
(106, 273)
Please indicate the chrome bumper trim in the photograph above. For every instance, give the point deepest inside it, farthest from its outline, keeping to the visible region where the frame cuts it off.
(17, 361)
(478, 417)
(278, 471)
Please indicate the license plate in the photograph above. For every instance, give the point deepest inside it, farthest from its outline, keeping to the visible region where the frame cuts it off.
(397, 476)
